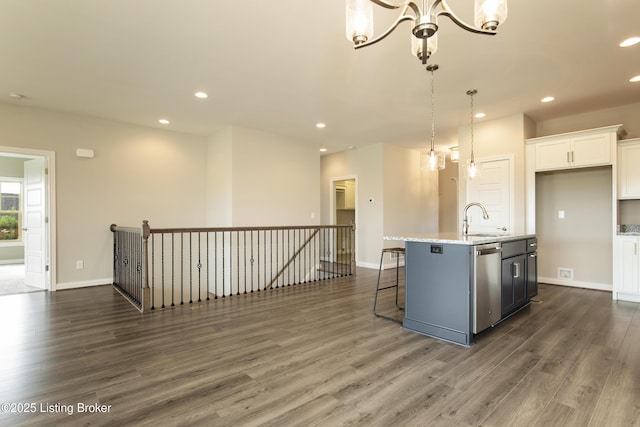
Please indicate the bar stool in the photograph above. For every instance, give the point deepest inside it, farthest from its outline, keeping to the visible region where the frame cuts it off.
(399, 252)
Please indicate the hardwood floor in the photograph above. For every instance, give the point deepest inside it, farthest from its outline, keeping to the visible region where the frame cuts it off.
(314, 355)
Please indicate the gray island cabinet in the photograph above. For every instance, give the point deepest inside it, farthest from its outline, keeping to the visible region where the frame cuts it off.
(454, 291)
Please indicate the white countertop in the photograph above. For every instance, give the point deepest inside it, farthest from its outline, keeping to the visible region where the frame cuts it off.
(458, 239)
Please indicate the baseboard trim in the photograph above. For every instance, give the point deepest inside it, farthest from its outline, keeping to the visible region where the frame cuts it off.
(576, 284)
(83, 284)
(621, 296)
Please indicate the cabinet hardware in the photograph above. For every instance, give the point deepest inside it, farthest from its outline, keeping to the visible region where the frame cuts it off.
(516, 270)
(568, 161)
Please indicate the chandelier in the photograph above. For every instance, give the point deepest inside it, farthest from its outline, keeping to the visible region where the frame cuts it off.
(488, 15)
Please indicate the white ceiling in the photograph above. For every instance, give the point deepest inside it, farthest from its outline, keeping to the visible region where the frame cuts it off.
(282, 66)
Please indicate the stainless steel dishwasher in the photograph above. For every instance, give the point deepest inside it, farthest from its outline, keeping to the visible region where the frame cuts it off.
(486, 286)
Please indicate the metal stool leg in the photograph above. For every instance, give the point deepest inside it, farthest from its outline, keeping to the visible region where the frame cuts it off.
(398, 281)
(378, 288)
(375, 300)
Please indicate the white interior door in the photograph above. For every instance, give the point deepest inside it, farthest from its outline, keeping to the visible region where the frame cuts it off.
(34, 227)
(492, 188)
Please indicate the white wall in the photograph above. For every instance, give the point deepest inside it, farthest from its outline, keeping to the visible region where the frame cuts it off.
(257, 178)
(448, 197)
(137, 173)
(365, 164)
(582, 241)
(275, 180)
(219, 178)
(393, 195)
(410, 194)
(627, 115)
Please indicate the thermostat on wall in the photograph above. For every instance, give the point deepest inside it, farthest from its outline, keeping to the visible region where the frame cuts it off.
(85, 153)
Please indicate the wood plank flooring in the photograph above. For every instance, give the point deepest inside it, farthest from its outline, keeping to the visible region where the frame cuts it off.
(313, 355)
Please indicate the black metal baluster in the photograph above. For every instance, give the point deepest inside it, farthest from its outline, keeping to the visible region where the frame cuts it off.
(252, 261)
(153, 271)
(238, 261)
(223, 266)
(181, 268)
(215, 265)
(288, 257)
(258, 266)
(199, 270)
(162, 267)
(208, 268)
(173, 268)
(244, 263)
(272, 251)
(190, 268)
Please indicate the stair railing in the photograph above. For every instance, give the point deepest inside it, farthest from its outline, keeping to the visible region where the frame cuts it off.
(157, 268)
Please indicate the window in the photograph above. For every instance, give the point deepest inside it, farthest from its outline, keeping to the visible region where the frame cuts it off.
(10, 210)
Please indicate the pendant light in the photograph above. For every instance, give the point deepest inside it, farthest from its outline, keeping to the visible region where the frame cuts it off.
(472, 163)
(432, 160)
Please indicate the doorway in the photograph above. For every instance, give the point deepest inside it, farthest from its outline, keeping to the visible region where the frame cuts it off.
(26, 251)
(343, 213)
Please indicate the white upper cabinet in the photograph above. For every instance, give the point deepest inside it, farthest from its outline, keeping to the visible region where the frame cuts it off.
(576, 150)
(629, 169)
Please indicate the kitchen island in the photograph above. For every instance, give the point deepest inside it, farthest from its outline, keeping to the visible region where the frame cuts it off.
(457, 286)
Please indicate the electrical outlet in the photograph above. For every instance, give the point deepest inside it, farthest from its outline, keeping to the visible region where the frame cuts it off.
(79, 265)
(565, 273)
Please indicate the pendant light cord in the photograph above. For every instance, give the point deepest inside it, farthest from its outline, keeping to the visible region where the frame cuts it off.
(432, 68)
(471, 93)
(433, 114)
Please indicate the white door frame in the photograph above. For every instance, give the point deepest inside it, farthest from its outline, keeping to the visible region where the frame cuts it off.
(512, 205)
(332, 204)
(50, 211)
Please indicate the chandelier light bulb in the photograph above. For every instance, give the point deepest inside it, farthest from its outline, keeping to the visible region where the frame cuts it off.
(490, 13)
(359, 21)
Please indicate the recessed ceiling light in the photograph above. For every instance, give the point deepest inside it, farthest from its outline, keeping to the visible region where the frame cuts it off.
(201, 95)
(630, 41)
(163, 121)
(323, 150)
(480, 115)
(321, 125)
(634, 79)
(547, 99)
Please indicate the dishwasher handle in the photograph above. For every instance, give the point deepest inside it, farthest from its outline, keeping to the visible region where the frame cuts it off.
(488, 251)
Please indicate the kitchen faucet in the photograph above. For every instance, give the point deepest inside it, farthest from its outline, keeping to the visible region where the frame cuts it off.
(465, 221)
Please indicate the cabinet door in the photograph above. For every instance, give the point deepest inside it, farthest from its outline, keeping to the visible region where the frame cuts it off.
(628, 265)
(629, 172)
(591, 150)
(514, 292)
(532, 275)
(553, 154)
